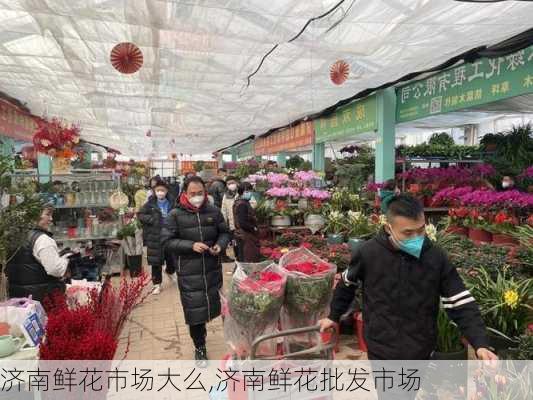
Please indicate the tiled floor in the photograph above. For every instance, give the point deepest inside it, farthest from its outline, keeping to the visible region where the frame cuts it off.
(157, 330)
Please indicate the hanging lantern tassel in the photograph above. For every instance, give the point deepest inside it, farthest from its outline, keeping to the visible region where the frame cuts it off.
(339, 72)
(126, 58)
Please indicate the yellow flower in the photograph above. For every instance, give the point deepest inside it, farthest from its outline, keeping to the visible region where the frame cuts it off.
(284, 250)
(510, 297)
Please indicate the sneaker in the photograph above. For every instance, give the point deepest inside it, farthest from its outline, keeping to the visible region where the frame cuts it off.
(200, 355)
(156, 289)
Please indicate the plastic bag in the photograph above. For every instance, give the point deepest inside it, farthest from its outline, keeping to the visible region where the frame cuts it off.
(253, 304)
(26, 317)
(309, 288)
(78, 292)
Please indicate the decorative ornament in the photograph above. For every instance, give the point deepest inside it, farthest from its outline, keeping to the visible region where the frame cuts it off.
(339, 72)
(126, 57)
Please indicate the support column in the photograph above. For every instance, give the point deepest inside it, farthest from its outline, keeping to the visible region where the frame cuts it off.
(386, 135)
(319, 157)
(44, 168)
(282, 159)
(220, 159)
(233, 155)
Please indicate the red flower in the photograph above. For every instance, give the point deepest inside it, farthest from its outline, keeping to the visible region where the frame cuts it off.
(306, 245)
(308, 268)
(270, 277)
(530, 220)
(474, 214)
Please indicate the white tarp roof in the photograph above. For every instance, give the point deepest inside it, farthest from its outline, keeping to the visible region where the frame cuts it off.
(54, 56)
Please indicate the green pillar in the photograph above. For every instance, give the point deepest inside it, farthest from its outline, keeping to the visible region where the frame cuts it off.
(282, 159)
(44, 168)
(319, 157)
(385, 140)
(233, 155)
(7, 146)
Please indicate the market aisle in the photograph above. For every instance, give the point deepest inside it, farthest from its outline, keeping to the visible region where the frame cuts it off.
(157, 330)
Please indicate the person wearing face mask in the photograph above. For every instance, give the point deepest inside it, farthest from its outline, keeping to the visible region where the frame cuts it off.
(404, 278)
(507, 183)
(196, 234)
(151, 216)
(37, 268)
(246, 226)
(227, 207)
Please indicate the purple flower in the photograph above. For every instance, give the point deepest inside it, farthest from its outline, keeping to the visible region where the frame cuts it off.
(507, 199)
(305, 176)
(277, 179)
(282, 192)
(315, 194)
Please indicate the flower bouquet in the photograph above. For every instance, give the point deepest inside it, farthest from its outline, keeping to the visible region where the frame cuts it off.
(254, 302)
(309, 286)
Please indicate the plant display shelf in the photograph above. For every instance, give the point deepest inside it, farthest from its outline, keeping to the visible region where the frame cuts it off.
(430, 161)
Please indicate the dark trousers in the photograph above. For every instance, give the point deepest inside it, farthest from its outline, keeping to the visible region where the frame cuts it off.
(198, 334)
(157, 270)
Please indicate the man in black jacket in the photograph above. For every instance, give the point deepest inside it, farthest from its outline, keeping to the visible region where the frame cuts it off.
(218, 187)
(196, 234)
(404, 278)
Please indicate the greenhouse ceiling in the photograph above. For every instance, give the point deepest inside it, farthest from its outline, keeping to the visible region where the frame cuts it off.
(194, 92)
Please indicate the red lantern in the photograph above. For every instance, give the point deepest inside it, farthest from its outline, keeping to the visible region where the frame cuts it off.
(126, 58)
(339, 72)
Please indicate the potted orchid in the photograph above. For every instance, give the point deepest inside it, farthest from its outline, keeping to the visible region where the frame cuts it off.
(359, 228)
(335, 227)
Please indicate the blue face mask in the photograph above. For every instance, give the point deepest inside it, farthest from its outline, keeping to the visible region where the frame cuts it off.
(412, 246)
(246, 196)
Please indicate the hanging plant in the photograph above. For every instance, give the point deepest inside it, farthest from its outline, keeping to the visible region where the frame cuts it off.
(127, 58)
(339, 72)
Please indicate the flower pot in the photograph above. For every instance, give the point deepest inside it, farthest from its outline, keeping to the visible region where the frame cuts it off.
(359, 328)
(457, 230)
(315, 222)
(479, 235)
(354, 243)
(502, 239)
(281, 221)
(454, 355)
(335, 238)
(134, 265)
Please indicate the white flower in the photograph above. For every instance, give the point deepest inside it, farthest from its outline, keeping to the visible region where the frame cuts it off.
(354, 215)
(431, 232)
(382, 219)
(354, 197)
(335, 215)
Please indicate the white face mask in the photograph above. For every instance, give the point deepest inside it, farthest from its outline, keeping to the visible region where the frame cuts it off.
(197, 201)
(161, 194)
(232, 187)
(506, 184)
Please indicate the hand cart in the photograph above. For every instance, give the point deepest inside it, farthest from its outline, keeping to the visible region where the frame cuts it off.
(321, 351)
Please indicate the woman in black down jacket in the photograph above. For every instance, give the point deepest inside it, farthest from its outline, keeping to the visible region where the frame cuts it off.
(152, 215)
(196, 234)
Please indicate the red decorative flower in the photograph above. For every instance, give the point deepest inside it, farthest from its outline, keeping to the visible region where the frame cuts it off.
(339, 72)
(126, 58)
(308, 268)
(530, 220)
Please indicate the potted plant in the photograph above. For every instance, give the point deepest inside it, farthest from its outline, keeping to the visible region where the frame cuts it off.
(449, 343)
(477, 225)
(335, 227)
(456, 221)
(359, 229)
(505, 304)
(132, 242)
(281, 214)
(502, 229)
(314, 219)
(263, 214)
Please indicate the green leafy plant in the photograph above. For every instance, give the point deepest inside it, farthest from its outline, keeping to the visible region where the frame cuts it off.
(128, 230)
(343, 200)
(359, 226)
(335, 223)
(524, 348)
(504, 301)
(263, 212)
(448, 334)
(441, 139)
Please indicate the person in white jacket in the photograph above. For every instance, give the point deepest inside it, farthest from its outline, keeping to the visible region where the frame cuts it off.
(227, 208)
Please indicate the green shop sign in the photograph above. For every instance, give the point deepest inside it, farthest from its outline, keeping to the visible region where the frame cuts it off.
(349, 120)
(468, 85)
